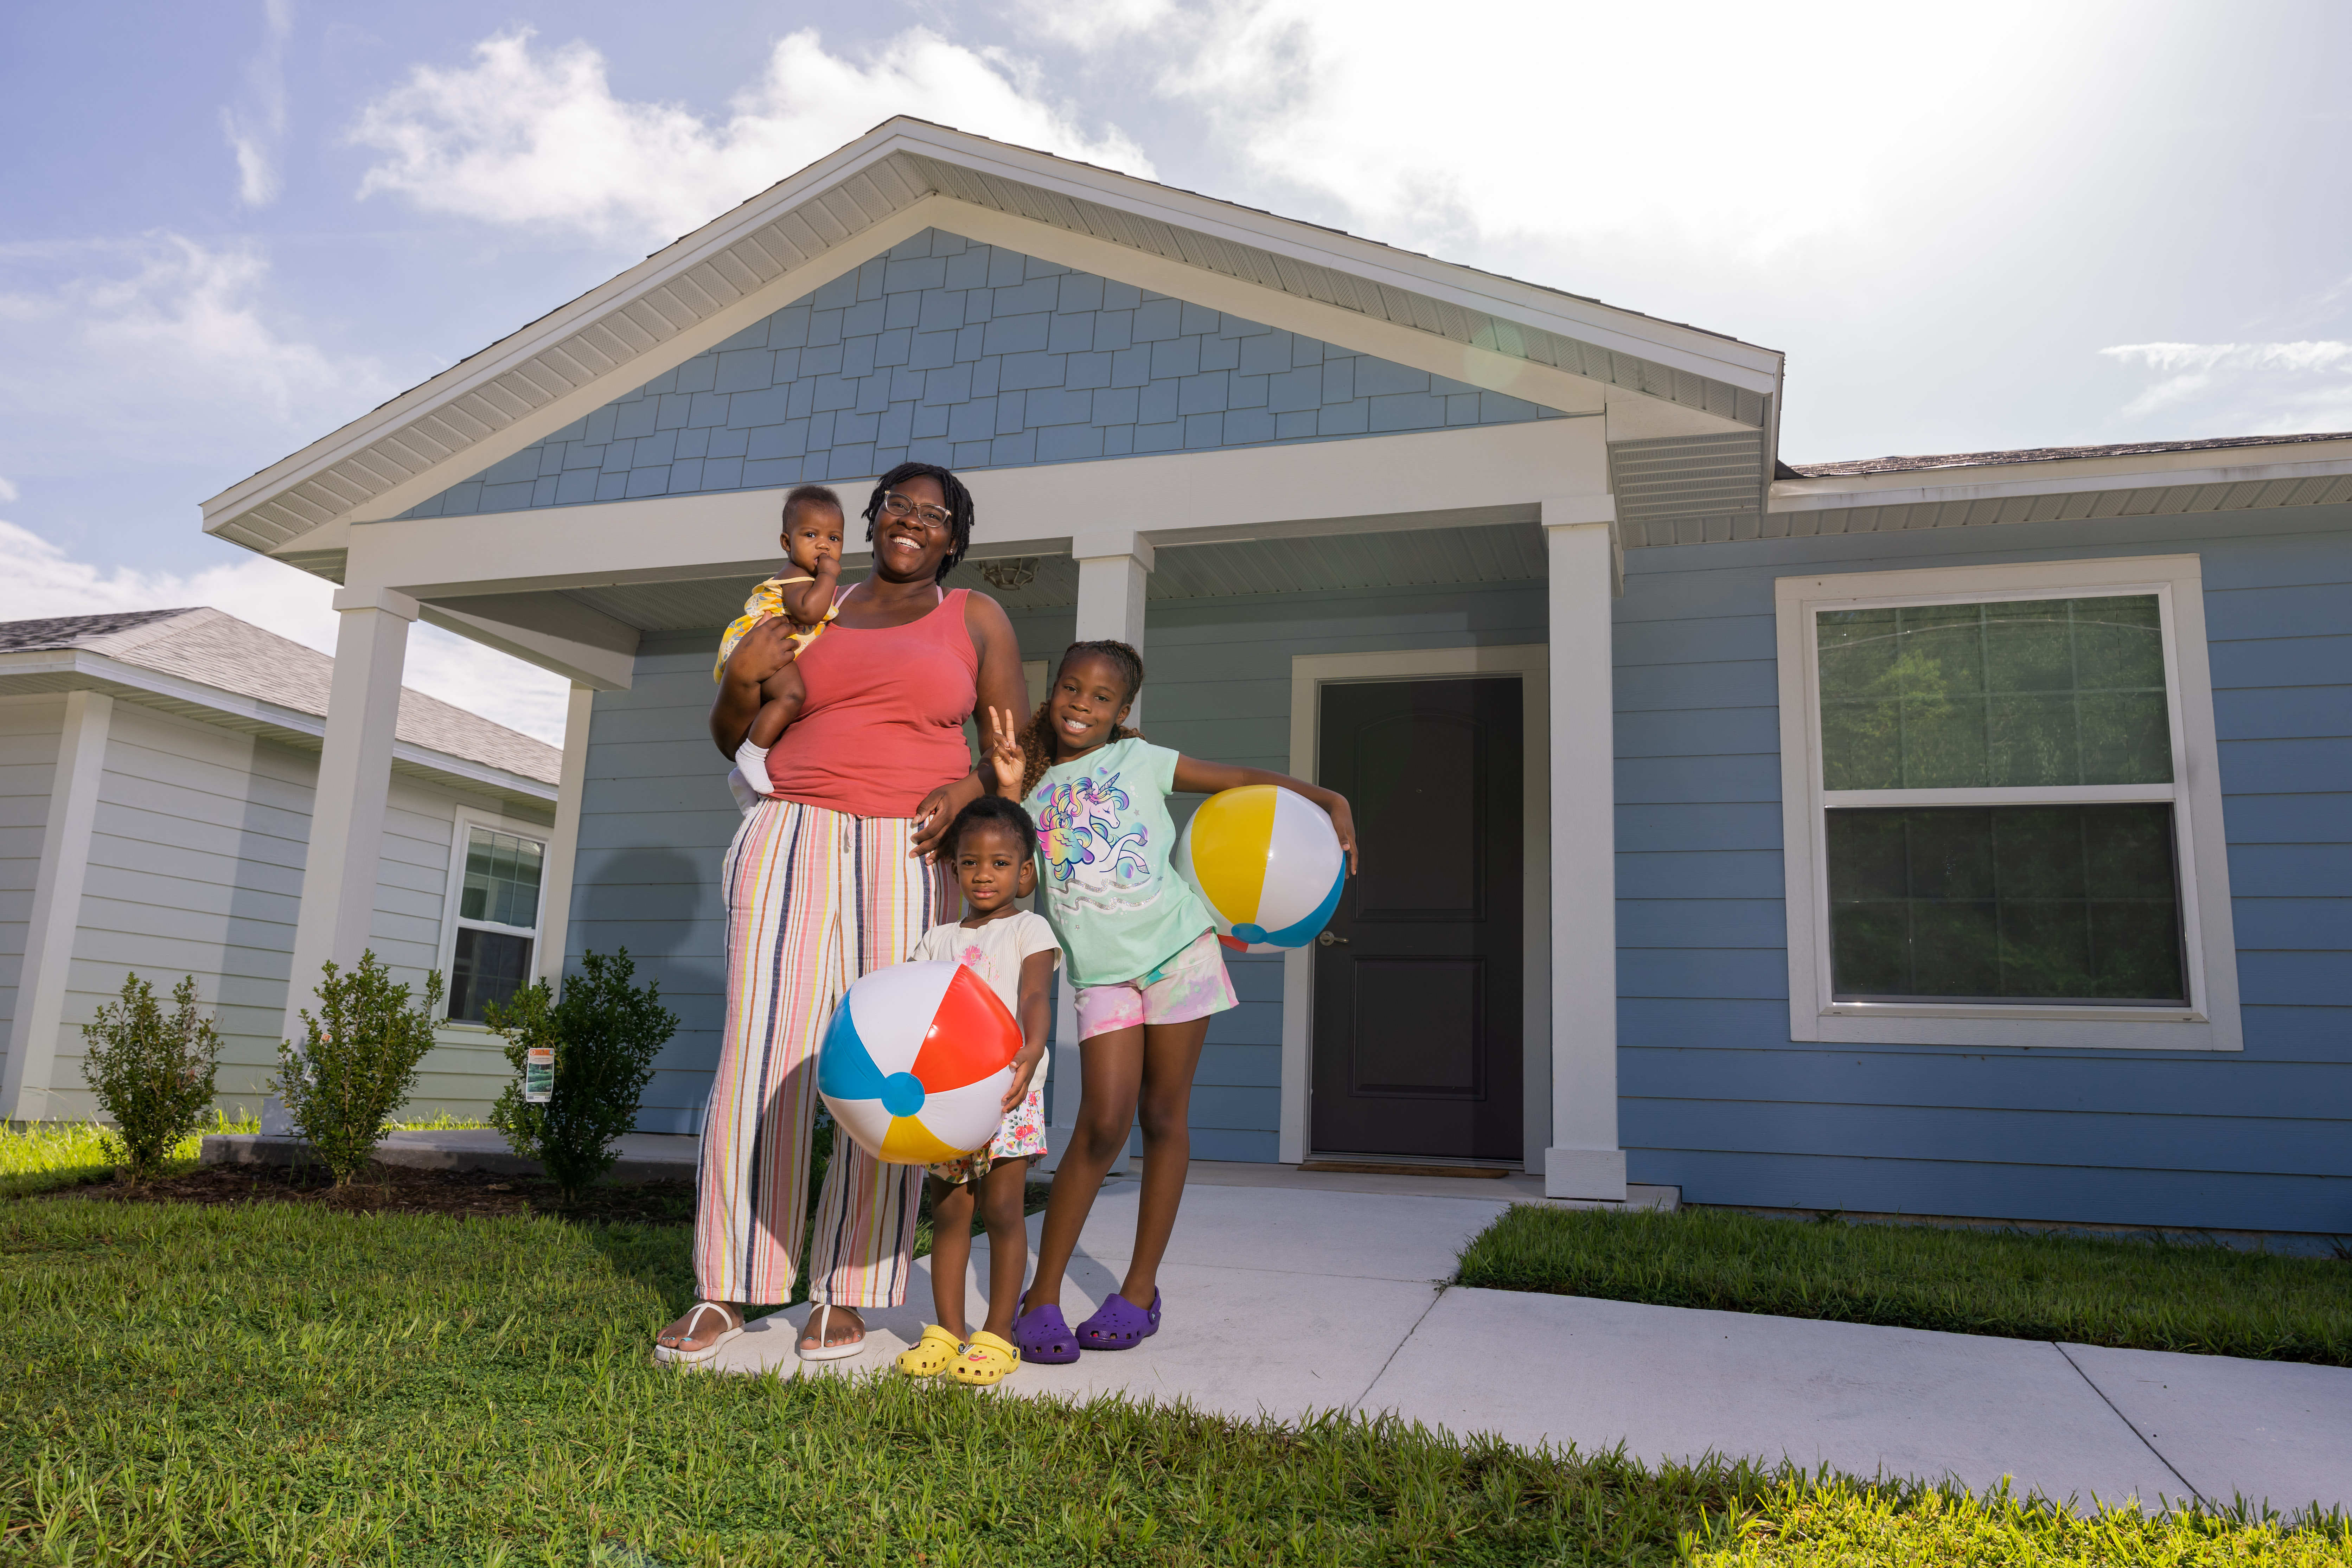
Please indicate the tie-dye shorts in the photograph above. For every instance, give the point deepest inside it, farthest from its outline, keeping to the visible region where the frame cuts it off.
(1192, 985)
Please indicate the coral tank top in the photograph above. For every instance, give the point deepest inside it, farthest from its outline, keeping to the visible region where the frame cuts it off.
(883, 725)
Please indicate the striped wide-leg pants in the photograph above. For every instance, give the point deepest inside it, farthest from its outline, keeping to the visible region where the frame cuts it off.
(814, 899)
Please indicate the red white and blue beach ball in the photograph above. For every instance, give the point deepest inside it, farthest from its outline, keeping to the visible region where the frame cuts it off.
(915, 1062)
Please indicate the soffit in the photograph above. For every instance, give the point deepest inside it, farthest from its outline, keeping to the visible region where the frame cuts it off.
(615, 334)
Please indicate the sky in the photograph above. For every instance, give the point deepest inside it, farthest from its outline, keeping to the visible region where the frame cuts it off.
(226, 228)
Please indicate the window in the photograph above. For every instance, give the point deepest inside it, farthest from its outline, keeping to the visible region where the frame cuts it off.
(497, 919)
(2000, 821)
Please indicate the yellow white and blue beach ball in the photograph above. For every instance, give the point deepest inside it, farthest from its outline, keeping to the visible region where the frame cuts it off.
(1267, 863)
(915, 1063)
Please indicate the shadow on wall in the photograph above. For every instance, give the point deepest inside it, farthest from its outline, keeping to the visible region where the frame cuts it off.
(662, 905)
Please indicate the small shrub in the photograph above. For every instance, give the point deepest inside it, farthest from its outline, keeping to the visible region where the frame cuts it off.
(356, 1064)
(605, 1033)
(152, 1075)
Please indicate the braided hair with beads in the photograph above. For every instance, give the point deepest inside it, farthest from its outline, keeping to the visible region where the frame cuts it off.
(959, 508)
(1037, 750)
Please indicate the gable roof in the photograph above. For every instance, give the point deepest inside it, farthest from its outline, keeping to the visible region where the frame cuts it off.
(214, 649)
(719, 277)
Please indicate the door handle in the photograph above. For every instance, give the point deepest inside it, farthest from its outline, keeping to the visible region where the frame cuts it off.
(1327, 939)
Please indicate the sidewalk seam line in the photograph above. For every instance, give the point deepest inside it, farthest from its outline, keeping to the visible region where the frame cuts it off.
(1355, 1405)
(2128, 1421)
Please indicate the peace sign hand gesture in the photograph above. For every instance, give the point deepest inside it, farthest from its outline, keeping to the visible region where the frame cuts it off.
(1004, 758)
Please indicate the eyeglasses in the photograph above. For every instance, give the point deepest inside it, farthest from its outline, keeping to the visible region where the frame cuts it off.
(899, 507)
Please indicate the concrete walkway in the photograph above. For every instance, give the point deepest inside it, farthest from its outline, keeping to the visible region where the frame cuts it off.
(1283, 1299)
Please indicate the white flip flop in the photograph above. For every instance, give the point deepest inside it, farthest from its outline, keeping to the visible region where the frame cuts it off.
(820, 1320)
(678, 1357)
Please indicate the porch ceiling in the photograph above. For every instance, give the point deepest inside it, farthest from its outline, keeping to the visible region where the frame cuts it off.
(1506, 552)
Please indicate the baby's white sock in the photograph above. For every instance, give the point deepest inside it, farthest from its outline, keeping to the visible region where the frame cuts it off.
(753, 759)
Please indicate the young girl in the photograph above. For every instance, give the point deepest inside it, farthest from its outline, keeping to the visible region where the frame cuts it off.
(812, 541)
(1143, 954)
(993, 846)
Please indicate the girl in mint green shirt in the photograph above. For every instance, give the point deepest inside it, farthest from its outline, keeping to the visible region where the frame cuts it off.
(1143, 953)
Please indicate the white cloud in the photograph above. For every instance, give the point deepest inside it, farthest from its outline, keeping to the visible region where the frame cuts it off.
(1740, 130)
(169, 355)
(254, 128)
(529, 137)
(38, 580)
(8, 491)
(2261, 389)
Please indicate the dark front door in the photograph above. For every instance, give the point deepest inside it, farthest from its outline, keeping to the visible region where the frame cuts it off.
(1419, 997)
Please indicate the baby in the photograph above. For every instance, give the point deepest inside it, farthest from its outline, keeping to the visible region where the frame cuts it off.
(812, 541)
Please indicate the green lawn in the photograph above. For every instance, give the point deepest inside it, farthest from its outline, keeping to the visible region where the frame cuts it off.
(2139, 1295)
(291, 1383)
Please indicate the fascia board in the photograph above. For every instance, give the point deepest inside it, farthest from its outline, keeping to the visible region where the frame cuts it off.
(2151, 472)
(1681, 348)
(733, 533)
(267, 720)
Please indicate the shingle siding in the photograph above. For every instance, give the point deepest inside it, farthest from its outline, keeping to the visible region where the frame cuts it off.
(1718, 1099)
(886, 364)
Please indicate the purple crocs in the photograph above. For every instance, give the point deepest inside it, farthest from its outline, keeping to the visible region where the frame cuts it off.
(1045, 1337)
(1119, 1325)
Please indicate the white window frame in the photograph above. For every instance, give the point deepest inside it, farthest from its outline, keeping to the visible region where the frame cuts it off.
(2210, 1022)
(461, 828)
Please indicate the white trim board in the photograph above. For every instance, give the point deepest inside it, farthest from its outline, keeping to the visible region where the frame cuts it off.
(2210, 1021)
(1310, 672)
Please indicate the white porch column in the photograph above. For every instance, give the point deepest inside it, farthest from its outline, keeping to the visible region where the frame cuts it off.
(1585, 1160)
(1111, 607)
(339, 873)
(56, 907)
(563, 844)
(1111, 599)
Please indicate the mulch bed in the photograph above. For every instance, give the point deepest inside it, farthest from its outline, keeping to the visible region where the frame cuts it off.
(403, 1189)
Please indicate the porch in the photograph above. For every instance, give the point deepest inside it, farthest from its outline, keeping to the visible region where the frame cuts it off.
(1441, 557)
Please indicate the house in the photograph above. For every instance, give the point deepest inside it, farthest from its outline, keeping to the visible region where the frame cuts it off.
(159, 775)
(1956, 835)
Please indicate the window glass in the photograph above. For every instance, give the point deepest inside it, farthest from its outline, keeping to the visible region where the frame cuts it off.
(487, 966)
(2045, 692)
(2005, 903)
(501, 879)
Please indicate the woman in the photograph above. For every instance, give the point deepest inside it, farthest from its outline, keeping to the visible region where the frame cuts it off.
(829, 878)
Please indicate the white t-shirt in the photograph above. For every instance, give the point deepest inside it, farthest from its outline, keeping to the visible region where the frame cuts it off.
(994, 950)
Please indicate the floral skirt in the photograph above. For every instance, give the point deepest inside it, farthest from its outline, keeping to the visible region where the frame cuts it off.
(1022, 1137)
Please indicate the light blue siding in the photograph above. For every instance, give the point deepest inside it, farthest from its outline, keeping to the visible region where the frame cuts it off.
(655, 818)
(1718, 1099)
(950, 353)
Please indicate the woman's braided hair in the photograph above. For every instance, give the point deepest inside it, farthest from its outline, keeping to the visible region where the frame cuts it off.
(1037, 737)
(959, 510)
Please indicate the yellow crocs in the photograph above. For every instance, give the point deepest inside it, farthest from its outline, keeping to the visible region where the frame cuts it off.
(986, 1360)
(930, 1354)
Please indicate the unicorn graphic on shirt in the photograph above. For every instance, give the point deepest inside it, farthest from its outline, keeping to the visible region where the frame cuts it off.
(1086, 849)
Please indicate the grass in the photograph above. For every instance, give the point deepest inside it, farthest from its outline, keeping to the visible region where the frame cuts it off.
(288, 1384)
(43, 1156)
(2139, 1295)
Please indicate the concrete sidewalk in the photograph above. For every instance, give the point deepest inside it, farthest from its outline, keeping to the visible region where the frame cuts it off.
(1284, 1300)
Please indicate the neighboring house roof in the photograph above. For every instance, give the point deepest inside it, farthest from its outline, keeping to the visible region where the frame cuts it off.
(217, 650)
(1909, 465)
(909, 173)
